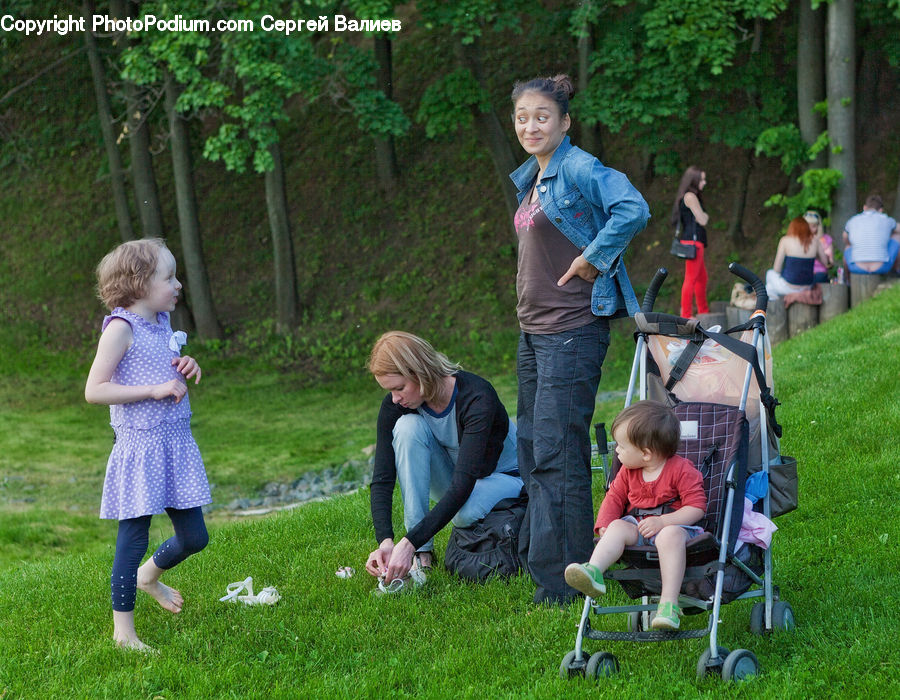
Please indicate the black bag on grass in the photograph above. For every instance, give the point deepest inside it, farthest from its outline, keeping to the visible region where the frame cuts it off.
(490, 546)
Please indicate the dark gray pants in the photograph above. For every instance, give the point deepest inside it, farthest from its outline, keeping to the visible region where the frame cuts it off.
(558, 378)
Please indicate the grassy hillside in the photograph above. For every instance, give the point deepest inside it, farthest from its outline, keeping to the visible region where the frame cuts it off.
(835, 562)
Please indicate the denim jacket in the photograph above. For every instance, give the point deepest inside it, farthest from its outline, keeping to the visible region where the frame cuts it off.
(597, 209)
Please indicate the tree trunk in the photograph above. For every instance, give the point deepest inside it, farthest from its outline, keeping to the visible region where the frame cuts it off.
(385, 153)
(868, 78)
(897, 202)
(648, 161)
(116, 170)
(739, 203)
(282, 244)
(811, 75)
(188, 220)
(489, 128)
(591, 140)
(840, 86)
(145, 190)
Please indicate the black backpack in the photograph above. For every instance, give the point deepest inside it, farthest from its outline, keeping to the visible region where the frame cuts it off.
(490, 546)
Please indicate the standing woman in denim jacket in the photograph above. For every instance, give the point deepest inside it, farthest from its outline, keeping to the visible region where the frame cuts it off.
(574, 221)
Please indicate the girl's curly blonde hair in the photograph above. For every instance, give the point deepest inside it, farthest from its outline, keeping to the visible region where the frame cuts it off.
(125, 272)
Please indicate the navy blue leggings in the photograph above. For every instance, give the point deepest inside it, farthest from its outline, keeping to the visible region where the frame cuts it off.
(131, 544)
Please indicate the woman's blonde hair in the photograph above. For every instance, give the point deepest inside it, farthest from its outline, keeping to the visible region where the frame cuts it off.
(125, 272)
(413, 358)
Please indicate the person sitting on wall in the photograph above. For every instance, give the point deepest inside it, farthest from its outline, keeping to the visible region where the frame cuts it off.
(872, 240)
(792, 270)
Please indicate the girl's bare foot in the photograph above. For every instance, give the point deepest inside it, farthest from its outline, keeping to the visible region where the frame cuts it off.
(135, 645)
(148, 581)
(168, 598)
(124, 635)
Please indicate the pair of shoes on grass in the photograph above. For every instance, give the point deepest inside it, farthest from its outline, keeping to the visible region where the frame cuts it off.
(242, 592)
(414, 579)
(586, 578)
(668, 617)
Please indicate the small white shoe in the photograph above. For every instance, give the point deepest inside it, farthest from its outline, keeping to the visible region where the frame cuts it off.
(267, 596)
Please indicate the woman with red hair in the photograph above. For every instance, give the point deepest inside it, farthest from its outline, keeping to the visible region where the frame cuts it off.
(793, 268)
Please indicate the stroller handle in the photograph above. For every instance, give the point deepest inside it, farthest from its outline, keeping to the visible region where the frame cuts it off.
(653, 290)
(762, 299)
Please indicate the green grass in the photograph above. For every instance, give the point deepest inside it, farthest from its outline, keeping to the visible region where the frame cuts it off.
(835, 560)
(253, 424)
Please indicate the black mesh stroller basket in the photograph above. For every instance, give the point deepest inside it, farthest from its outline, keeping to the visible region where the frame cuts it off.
(718, 446)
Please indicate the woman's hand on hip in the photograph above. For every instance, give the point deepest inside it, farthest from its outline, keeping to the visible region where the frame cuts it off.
(580, 267)
(378, 560)
(401, 560)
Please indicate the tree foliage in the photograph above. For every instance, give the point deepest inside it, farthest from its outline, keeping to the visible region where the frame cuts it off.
(248, 78)
(817, 185)
(655, 59)
(447, 103)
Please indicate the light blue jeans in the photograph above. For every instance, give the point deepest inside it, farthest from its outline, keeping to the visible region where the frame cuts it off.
(424, 471)
(893, 247)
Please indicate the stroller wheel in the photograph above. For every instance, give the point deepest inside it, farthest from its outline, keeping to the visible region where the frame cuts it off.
(739, 664)
(601, 665)
(570, 667)
(703, 665)
(758, 618)
(782, 617)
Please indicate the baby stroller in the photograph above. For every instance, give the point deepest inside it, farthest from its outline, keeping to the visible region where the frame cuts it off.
(682, 364)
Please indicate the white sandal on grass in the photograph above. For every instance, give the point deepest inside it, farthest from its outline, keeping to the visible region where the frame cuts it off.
(267, 596)
(414, 579)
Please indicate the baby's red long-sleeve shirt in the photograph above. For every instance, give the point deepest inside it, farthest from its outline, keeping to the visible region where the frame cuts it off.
(679, 479)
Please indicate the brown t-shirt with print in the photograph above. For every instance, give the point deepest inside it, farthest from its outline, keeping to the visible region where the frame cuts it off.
(545, 255)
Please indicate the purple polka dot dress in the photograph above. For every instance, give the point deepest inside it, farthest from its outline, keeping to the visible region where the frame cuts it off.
(155, 463)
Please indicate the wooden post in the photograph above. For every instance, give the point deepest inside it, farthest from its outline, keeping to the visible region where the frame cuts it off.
(801, 317)
(862, 287)
(776, 321)
(713, 318)
(835, 301)
(735, 315)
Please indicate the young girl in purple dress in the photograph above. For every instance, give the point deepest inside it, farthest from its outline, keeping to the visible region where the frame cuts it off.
(155, 465)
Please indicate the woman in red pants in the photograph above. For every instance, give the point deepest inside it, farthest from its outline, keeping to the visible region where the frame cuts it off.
(688, 209)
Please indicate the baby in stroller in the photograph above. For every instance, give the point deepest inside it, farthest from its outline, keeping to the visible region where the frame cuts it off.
(656, 498)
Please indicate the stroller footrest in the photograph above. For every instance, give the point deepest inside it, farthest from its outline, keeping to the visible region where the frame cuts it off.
(649, 636)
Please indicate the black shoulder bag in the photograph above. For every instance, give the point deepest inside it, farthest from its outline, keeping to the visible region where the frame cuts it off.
(490, 546)
(682, 250)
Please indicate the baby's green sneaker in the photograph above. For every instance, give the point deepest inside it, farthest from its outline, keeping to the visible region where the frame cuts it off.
(586, 578)
(667, 617)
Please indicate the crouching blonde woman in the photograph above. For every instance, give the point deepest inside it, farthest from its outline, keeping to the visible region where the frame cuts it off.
(443, 435)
